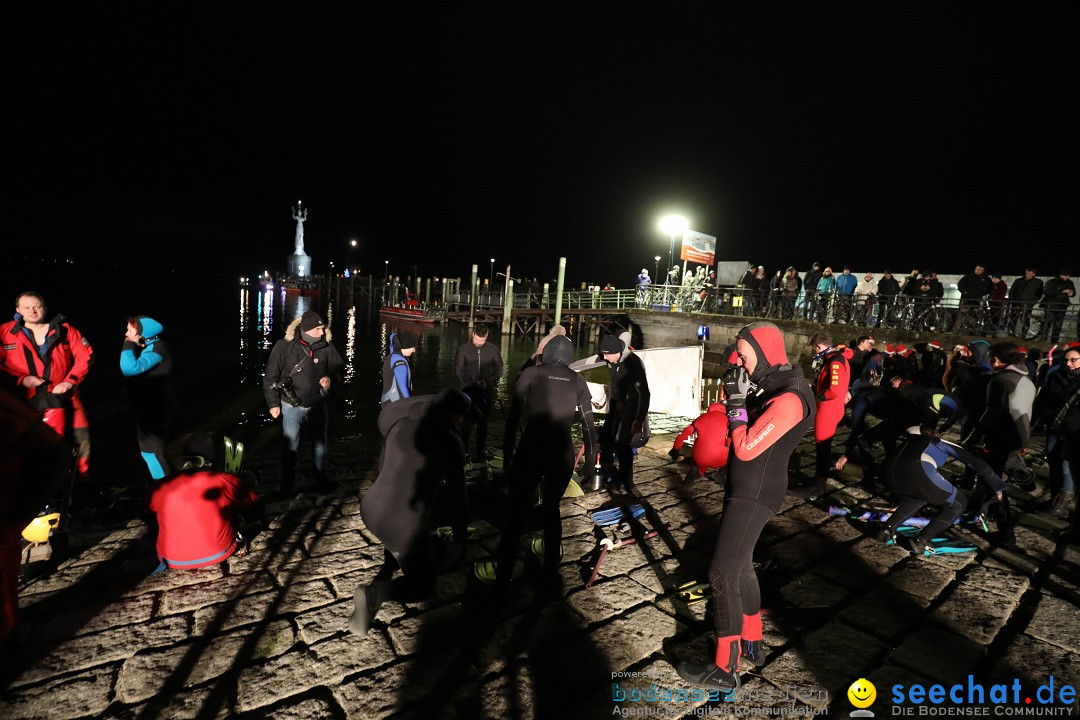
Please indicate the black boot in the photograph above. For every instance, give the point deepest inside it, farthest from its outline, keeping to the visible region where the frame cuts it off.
(710, 674)
(1062, 504)
(752, 654)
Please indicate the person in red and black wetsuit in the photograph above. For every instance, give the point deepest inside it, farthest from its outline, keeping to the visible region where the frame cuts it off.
(712, 445)
(834, 376)
(46, 362)
(770, 408)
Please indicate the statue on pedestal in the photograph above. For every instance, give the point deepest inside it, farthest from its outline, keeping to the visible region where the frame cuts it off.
(299, 216)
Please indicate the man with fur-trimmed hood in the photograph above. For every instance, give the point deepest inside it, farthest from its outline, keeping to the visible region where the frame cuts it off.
(302, 368)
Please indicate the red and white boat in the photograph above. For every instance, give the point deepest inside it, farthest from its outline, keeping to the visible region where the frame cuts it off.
(410, 311)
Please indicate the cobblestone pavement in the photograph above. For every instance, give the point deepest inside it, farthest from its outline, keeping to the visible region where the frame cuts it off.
(265, 636)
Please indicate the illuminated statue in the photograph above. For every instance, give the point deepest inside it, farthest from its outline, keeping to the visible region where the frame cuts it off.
(299, 216)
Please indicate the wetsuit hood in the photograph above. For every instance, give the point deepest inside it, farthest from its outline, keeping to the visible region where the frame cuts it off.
(980, 352)
(559, 351)
(148, 327)
(452, 402)
(767, 342)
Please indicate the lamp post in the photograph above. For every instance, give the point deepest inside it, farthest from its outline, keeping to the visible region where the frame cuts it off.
(491, 273)
(656, 270)
(673, 225)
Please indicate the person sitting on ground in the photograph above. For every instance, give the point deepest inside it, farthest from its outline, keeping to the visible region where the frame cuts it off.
(200, 509)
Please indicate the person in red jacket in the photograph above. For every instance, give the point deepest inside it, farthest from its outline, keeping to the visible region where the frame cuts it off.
(834, 377)
(712, 444)
(45, 363)
(199, 509)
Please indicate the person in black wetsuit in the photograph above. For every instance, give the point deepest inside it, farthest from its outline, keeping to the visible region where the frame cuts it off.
(628, 408)
(479, 367)
(913, 473)
(422, 461)
(770, 409)
(546, 398)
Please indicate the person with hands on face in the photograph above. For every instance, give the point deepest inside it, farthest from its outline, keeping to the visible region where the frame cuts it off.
(145, 362)
(770, 408)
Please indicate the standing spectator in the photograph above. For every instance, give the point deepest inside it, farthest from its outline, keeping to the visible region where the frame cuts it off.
(643, 279)
(1059, 292)
(628, 407)
(789, 289)
(479, 368)
(47, 361)
(396, 371)
(810, 285)
(911, 283)
(865, 295)
(146, 363)
(302, 368)
(1057, 406)
(845, 295)
(888, 289)
(1024, 293)
(996, 300)
(974, 286)
(937, 290)
(825, 287)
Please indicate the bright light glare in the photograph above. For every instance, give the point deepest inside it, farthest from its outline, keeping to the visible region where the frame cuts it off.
(673, 224)
(353, 243)
(657, 258)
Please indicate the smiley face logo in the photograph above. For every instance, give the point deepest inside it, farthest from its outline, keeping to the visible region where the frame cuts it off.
(862, 693)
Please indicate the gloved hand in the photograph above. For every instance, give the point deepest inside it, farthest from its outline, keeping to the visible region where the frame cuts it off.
(673, 454)
(736, 384)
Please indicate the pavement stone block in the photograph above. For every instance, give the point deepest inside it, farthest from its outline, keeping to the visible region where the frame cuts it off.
(860, 564)
(262, 607)
(663, 576)
(997, 581)
(75, 696)
(886, 613)
(885, 677)
(829, 659)
(923, 580)
(148, 674)
(1034, 662)
(435, 630)
(324, 544)
(839, 530)
(323, 664)
(169, 580)
(101, 552)
(1056, 621)
(634, 636)
(942, 657)
(1012, 561)
(210, 702)
(801, 551)
(536, 631)
(94, 618)
(813, 591)
(60, 580)
(328, 566)
(315, 708)
(621, 561)
(609, 598)
(229, 588)
(87, 651)
(974, 613)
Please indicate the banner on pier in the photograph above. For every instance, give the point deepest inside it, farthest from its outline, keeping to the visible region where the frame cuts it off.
(698, 248)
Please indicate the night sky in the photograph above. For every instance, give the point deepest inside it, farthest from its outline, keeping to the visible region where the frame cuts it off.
(909, 137)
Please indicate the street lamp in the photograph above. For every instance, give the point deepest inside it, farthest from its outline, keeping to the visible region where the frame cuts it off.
(673, 225)
(491, 273)
(386, 272)
(656, 271)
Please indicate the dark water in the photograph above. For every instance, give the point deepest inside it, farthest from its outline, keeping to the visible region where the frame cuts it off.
(220, 335)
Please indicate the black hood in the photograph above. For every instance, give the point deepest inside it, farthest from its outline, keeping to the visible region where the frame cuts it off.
(559, 351)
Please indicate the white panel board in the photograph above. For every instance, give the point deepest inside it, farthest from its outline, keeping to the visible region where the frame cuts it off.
(674, 376)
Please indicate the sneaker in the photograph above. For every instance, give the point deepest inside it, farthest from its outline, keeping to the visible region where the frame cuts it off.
(484, 570)
(708, 675)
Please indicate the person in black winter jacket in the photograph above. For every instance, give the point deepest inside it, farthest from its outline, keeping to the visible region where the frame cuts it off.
(1057, 406)
(299, 374)
(1058, 293)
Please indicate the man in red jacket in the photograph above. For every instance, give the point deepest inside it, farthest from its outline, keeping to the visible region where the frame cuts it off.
(45, 363)
(834, 377)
